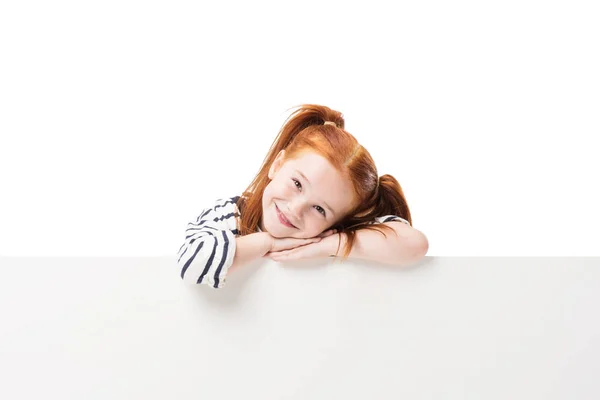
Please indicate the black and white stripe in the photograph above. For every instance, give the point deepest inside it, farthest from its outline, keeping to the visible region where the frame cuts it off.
(209, 246)
(388, 218)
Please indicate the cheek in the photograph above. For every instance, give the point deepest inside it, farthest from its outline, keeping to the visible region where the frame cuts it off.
(266, 194)
(268, 190)
(281, 188)
(313, 226)
(275, 191)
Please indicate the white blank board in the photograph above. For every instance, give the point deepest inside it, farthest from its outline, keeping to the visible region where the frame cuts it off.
(446, 328)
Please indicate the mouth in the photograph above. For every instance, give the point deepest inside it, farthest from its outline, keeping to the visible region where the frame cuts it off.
(283, 219)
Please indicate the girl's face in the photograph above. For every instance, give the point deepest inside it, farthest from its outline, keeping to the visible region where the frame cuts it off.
(309, 192)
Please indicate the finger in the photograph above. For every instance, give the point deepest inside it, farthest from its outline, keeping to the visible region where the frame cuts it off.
(328, 232)
(281, 257)
(276, 258)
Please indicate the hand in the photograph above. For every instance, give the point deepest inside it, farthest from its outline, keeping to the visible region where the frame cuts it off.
(288, 243)
(317, 249)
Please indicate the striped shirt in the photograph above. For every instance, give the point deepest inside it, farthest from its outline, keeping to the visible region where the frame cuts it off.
(209, 246)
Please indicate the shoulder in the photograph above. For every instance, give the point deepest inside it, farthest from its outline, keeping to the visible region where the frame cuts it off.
(225, 207)
(225, 203)
(221, 214)
(388, 218)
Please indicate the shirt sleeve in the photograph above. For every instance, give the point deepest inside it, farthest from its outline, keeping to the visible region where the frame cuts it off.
(388, 218)
(209, 246)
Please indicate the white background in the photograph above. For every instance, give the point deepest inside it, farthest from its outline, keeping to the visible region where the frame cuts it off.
(121, 120)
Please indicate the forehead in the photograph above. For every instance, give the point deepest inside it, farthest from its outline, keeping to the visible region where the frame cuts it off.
(315, 164)
(325, 183)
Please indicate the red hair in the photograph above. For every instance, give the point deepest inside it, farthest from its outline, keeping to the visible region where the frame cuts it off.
(303, 131)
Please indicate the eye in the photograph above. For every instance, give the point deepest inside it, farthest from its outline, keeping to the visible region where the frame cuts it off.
(298, 182)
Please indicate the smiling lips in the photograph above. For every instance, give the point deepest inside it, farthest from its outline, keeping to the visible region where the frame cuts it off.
(283, 219)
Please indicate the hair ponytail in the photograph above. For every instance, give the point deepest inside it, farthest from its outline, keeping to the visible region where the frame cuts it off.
(387, 199)
(391, 200)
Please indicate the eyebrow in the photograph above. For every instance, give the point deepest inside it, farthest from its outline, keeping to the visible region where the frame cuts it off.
(306, 179)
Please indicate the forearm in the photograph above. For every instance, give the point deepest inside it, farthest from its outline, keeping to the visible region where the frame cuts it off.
(404, 248)
(249, 248)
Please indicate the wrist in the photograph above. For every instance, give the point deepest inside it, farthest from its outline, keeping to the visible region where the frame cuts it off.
(330, 244)
(267, 242)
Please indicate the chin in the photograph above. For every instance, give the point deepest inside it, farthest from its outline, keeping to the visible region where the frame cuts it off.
(280, 231)
(277, 235)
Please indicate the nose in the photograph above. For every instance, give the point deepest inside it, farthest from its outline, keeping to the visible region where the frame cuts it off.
(296, 206)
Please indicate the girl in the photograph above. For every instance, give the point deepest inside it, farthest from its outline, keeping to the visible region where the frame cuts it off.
(317, 190)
